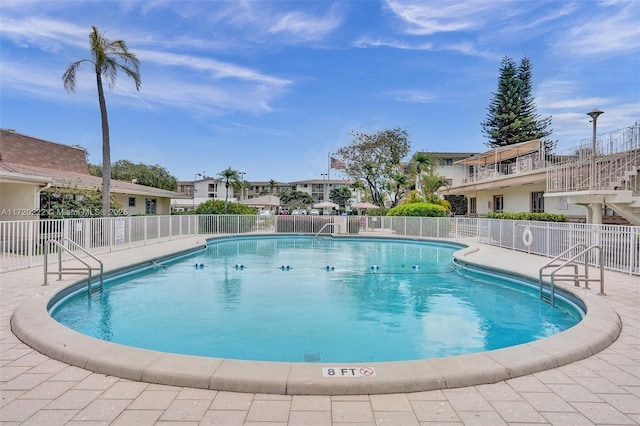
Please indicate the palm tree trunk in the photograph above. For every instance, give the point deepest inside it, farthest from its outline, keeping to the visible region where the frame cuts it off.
(226, 196)
(106, 150)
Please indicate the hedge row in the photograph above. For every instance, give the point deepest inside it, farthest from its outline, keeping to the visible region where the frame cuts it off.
(418, 209)
(540, 217)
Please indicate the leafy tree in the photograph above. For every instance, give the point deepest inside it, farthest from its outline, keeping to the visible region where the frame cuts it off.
(340, 196)
(296, 199)
(511, 116)
(95, 170)
(231, 178)
(107, 57)
(72, 202)
(375, 158)
(155, 176)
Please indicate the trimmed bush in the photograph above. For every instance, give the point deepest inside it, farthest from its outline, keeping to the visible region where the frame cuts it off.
(418, 209)
(539, 217)
(218, 207)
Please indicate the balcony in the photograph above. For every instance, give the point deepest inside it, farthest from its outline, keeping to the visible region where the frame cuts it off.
(500, 163)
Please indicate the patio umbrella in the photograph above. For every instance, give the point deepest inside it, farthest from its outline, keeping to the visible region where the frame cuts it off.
(364, 205)
(326, 205)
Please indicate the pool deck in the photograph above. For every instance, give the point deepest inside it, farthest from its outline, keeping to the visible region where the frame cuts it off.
(603, 388)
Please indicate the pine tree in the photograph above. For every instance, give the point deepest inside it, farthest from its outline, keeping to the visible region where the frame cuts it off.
(512, 114)
(533, 127)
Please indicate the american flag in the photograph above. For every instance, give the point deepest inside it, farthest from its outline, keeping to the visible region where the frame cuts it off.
(337, 164)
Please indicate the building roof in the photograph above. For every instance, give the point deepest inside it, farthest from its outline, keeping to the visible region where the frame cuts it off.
(442, 155)
(16, 148)
(27, 159)
(502, 153)
(331, 181)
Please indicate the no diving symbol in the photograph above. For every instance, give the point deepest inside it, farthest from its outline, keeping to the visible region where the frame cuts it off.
(367, 371)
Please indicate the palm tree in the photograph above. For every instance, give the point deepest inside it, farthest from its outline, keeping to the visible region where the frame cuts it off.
(272, 184)
(399, 181)
(420, 163)
(108, 57)
(231, 178)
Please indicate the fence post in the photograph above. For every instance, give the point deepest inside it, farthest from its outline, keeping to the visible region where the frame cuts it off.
(30, 241)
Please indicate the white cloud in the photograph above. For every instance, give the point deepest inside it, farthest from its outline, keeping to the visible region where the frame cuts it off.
(426, 18)
(612, 30)
(412, 96)
(396, 44)
(215, 69)
(303, 27)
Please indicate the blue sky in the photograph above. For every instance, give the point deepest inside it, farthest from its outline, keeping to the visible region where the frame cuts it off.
(270, 88)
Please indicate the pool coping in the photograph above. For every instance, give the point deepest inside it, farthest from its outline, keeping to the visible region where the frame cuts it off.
(599, 328)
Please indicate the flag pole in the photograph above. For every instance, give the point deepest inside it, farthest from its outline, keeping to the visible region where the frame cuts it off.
(326, 198)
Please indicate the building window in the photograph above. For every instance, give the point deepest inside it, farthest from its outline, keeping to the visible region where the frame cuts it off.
(498, 203)
(212, 187)
(473, 206)
(448, 161)
(537, 202)
(213, 195)
(150, 206)
(132, 201)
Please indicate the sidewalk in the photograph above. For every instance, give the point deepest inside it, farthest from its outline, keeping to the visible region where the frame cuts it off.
(602, 389)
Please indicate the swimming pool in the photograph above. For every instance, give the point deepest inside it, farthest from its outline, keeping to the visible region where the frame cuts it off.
(299, 299)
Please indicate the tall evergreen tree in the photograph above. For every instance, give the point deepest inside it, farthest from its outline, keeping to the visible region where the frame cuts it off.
(533, 126)
(512, 116)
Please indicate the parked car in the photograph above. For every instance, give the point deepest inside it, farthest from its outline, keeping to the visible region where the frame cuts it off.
(299, 212)
(264, 213)
(314, 212)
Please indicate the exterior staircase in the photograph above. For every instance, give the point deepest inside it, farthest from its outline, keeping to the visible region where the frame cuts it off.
(610, 175)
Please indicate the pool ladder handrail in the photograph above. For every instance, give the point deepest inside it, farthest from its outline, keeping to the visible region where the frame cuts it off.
(324, 226)
(88, 269)
(576, 276)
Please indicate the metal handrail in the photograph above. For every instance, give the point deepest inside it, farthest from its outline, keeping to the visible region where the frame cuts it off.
(576, 277)
(324, 226)
(77, 271)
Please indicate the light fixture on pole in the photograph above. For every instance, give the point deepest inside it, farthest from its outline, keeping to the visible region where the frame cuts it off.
(594, 114)
(324, 186)
(195, 178)
(242, 187)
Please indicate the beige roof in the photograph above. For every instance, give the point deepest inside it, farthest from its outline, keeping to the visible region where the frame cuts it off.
(502, 153)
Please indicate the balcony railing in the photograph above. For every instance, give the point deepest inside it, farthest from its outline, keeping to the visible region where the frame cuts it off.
(518, 165)
(613, 165)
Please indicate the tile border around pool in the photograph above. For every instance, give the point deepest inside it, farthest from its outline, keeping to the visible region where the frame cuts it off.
(599, 328)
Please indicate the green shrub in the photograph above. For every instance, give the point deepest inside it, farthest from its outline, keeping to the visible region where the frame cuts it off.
(418, 209)
(218, 207)
(380, 211)
(539, 217)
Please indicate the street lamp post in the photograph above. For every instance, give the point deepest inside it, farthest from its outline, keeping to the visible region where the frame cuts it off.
(594, 114)
(242, 188)
(195, 178)
(324, 185)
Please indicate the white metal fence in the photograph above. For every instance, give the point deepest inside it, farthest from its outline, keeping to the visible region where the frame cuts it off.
(23, 243)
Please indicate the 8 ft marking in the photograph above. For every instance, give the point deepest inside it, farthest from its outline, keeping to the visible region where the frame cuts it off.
(348, 372)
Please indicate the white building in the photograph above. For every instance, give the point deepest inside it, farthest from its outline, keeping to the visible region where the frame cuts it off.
(581, 185)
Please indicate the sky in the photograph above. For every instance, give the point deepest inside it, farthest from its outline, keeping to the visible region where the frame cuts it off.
(271, 88)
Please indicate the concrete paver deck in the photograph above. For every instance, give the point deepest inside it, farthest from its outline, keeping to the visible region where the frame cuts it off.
(601, 389)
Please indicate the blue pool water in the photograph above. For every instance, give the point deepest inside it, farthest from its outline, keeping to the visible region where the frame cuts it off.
(298, 299)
